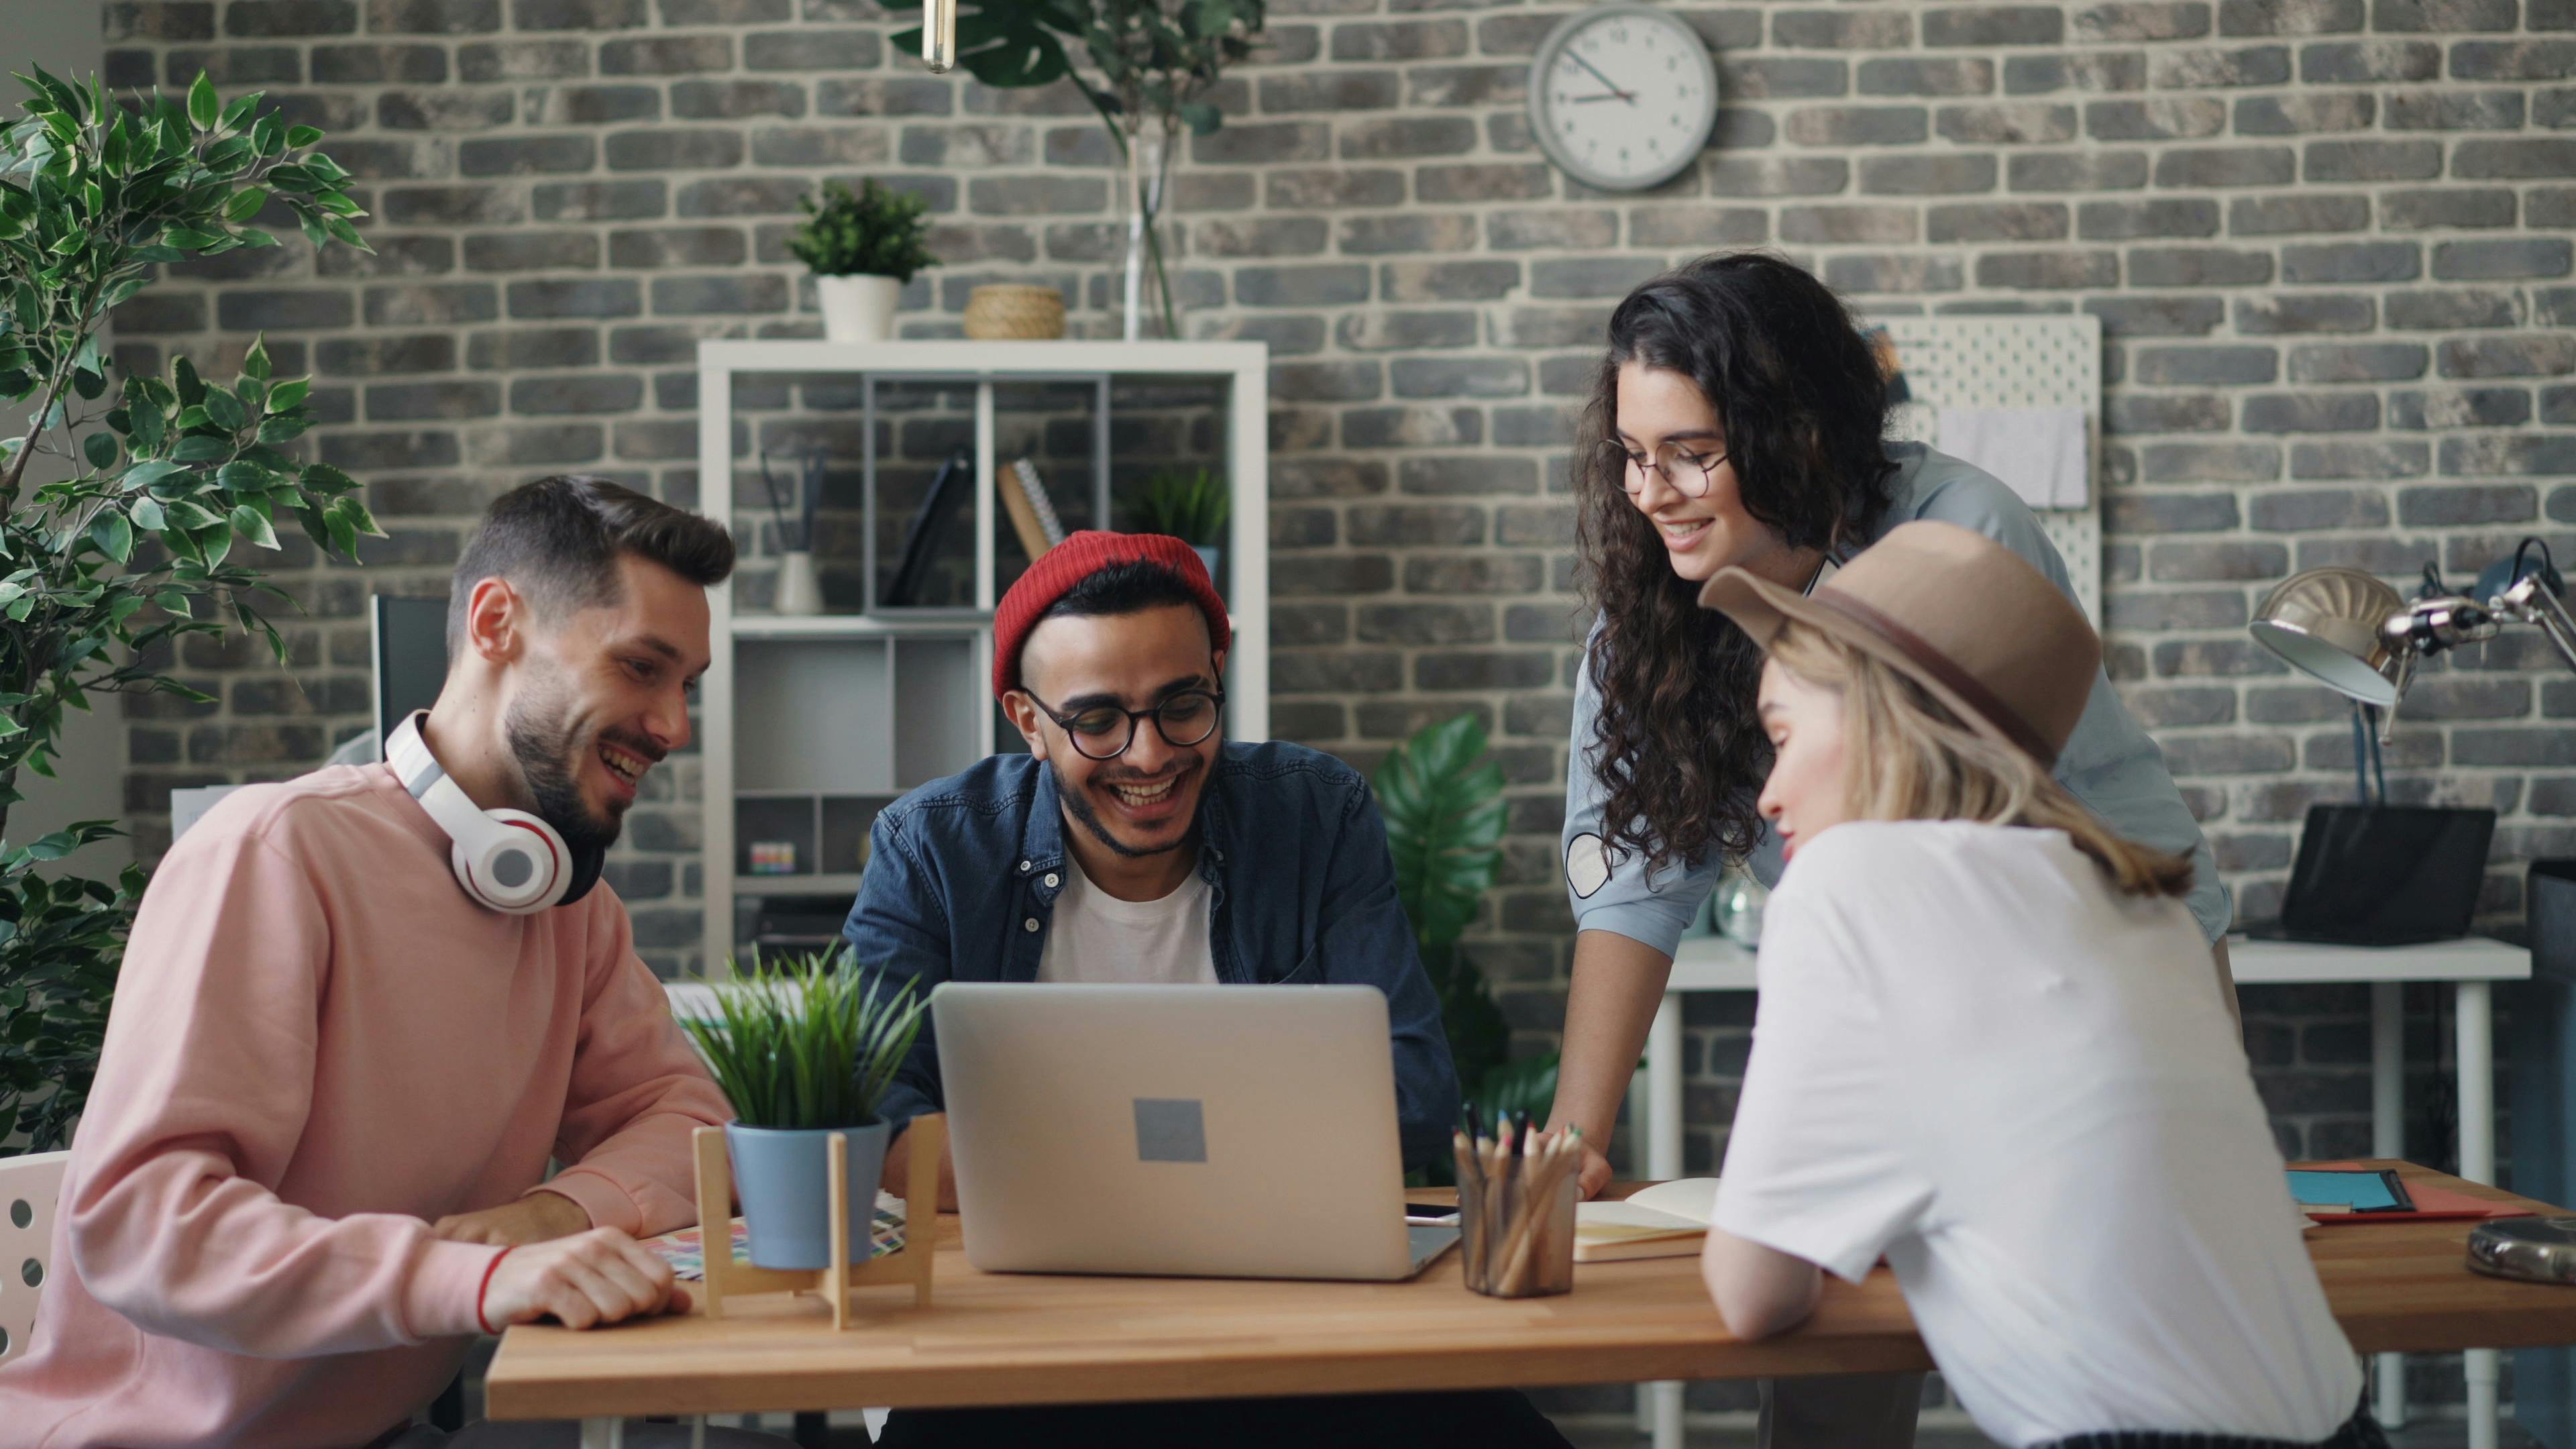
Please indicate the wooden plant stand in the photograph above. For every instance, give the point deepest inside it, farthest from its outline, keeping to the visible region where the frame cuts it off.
(926, 1138)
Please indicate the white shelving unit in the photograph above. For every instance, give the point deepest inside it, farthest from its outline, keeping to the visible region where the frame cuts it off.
(810, 723)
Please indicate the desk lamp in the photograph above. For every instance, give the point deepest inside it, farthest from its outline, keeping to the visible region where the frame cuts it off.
(939, 35)
(2356, 635)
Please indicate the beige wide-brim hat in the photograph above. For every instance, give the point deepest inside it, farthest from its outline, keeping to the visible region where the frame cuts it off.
(1956, 612)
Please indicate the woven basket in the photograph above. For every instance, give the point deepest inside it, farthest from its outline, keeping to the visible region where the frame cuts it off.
(1014, 312)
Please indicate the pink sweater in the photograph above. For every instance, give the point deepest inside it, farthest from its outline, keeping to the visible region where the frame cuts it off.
(319, 1044)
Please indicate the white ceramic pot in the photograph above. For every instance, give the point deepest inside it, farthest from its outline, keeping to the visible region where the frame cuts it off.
(800, 591)
(858, 309)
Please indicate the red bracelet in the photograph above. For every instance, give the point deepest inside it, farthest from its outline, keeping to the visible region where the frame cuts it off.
(484, 1323)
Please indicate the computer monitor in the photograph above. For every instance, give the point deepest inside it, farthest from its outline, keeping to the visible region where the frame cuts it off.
(409, 652)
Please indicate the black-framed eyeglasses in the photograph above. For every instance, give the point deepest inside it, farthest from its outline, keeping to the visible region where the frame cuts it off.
(1690, 474)
(1104, 731)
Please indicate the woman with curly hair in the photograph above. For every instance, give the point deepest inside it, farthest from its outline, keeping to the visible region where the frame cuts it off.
(1738, 420)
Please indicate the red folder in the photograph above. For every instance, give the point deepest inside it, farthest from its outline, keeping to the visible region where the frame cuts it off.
(2432, 1204)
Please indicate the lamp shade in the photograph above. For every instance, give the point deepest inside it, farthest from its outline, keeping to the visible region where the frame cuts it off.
(2329, 624)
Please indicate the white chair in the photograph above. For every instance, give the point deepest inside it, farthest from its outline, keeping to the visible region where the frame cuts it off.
(29, 1186)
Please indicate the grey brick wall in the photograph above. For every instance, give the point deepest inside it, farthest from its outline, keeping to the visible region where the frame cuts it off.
(2329, 240)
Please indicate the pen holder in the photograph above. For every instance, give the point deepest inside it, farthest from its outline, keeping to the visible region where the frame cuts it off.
(1514, 1243)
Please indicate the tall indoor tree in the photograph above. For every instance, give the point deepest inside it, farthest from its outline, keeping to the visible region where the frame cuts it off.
(124, 498)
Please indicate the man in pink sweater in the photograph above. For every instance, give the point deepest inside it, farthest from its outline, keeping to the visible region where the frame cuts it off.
(314, 1162)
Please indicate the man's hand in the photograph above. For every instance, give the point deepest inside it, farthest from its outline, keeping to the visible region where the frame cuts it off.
(601, 1276)
(897, 1176)
(536, 1218)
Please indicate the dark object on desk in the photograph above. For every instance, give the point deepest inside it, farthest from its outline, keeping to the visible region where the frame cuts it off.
(408, 649)
(2540, 1100)
(921, 540)
(2536, 1250)
(2384, 875)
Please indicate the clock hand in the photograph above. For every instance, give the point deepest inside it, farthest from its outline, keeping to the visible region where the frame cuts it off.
(1604, 96)
(1577, 57)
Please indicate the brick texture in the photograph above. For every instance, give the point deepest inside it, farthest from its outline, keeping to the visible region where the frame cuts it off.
(2328, 242)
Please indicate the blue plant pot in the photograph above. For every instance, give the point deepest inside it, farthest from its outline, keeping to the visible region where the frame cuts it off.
(783, 1178)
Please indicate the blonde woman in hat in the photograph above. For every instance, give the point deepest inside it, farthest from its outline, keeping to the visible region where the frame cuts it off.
(1986, 1047)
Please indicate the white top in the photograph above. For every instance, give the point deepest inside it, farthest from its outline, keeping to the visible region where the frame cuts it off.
(1096, 937)
(1973, 1056)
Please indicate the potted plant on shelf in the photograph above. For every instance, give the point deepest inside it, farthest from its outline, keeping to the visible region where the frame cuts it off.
(1190, 504)
(804, 1052)
(862, 247)
(129, 504)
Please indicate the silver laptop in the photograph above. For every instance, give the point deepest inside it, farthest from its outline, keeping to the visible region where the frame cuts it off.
(1206, 1131)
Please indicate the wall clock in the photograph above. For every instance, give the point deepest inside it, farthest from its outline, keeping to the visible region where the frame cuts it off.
(1622, 96)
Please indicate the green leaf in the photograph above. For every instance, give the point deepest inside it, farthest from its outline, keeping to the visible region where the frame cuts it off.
(201, 448)
(299, 137)
(115, 537)
(183, 376)
(203, 109)
(283, 427)
(238, 112)
(255, 361)
(288, 396)
(245, 203)
(148, 515)
(250, 523)
(144, 475)
(349, 508)
(225, 409)
(100, 449)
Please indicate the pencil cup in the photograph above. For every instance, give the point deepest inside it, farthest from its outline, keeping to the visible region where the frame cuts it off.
(1516, 1233)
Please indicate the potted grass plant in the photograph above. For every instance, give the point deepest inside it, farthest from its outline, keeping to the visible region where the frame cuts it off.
(1190, 504)
(803, 1051)
(862, 247)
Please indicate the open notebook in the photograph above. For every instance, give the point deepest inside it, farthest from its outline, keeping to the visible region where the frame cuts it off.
(1668, 1220)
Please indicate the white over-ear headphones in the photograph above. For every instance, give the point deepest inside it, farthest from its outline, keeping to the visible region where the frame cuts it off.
(508, 860)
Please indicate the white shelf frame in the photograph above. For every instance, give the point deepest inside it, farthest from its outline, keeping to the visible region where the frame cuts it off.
(1244, 366)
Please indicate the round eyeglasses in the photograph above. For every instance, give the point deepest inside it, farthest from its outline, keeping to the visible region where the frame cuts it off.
(1687, 473)
(1104, 731)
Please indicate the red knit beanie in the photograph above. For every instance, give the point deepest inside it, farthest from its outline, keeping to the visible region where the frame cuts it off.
(1079, 557)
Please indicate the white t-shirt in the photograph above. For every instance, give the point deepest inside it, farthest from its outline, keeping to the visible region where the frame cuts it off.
(1096, 937)
(1973, 1055)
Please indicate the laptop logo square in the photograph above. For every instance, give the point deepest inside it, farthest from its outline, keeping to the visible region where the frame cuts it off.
(1170, 1130)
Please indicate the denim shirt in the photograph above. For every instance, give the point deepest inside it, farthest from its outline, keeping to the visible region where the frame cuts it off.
(963, 876)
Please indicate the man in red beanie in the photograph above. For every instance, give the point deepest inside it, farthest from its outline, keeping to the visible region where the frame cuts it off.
(1132, 843)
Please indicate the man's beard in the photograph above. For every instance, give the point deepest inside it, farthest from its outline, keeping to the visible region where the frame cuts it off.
(549, 759)
(1079, 802)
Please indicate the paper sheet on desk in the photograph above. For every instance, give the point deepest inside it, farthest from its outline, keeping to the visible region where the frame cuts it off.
(2039, 453)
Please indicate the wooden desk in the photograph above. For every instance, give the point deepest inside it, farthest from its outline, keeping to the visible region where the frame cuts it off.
(1025, 1339)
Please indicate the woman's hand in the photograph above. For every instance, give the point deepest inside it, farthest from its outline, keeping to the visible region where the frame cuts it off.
(601, 1276)
(1595, 1174)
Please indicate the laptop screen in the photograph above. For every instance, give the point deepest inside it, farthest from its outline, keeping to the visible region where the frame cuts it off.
(2387, 875)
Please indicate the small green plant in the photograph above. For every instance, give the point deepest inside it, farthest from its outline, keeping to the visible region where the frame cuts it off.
(872, 232)
(1188, 503)
(811, 1045)
(1443, 805)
